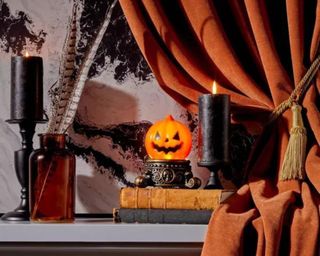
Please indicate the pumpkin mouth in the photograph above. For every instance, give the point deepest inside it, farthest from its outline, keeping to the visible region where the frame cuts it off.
(166, 149)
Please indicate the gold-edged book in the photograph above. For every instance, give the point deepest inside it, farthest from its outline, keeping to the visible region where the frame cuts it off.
(167, 198)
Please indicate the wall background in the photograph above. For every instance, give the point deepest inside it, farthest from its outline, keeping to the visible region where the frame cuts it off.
(120, 101)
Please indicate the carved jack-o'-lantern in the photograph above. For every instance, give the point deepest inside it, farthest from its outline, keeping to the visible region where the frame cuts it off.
(168, 139)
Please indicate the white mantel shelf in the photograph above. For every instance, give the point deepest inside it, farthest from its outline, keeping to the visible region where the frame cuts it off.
(99, 230)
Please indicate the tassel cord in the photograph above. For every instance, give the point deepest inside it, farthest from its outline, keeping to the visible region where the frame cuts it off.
(298, 93)
(293, 166)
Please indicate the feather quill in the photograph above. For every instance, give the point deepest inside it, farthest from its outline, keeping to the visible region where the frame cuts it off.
(66, 69)
(70, 97)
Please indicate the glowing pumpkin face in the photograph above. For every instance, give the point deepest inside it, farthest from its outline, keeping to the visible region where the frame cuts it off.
(168, 139)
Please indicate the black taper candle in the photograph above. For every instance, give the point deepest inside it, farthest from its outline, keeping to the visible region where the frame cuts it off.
(26, 88)
(214, 123)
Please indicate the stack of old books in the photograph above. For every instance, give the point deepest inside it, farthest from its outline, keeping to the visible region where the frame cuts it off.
(168, 205)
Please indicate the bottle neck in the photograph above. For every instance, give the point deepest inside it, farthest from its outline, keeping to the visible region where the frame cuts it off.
(52, 141)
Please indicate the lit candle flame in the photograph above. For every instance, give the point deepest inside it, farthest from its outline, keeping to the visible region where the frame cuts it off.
(27, 54)
(214, 87)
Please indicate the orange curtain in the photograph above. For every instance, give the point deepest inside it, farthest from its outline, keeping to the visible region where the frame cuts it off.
(257, 51)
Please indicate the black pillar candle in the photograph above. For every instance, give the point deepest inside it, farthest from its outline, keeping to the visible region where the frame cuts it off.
(214, 123)
(26, 88)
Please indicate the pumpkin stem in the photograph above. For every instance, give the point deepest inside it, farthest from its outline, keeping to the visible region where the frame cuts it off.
(169, 118)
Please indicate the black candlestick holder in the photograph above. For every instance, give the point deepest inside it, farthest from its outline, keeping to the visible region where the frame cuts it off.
(213, 143)
(213, 181)
(21, 164)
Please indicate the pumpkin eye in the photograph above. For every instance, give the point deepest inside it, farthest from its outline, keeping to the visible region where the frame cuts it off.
(157, 136)
(176, 136)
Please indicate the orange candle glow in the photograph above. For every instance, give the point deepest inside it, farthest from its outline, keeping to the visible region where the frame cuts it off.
(214, 88)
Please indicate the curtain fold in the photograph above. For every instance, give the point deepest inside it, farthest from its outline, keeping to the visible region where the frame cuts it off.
(257, 51)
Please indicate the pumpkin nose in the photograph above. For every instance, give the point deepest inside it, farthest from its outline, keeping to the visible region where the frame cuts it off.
(166, 140)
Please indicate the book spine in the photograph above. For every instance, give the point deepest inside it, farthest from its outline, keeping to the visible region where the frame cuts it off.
(162, 216)
(155, 198)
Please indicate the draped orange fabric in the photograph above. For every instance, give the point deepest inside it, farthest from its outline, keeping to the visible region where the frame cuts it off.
(257, 51)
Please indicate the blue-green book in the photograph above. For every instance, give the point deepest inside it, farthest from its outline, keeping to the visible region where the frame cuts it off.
(168, 216)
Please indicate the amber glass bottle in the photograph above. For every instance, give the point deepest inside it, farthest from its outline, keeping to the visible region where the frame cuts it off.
(52, 175)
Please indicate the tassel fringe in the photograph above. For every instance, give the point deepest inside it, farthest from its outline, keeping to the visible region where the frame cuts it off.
(293, 167)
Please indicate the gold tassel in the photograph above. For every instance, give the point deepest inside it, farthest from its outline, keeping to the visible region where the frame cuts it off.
(293, 167)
